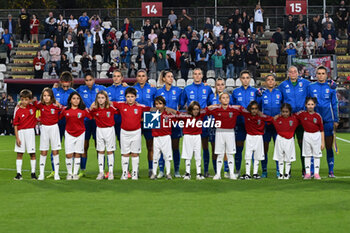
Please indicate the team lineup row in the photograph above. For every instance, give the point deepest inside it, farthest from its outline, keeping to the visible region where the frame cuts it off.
(123, 117)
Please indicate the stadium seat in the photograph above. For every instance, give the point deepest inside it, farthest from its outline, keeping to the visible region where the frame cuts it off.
(238, 83)
(178, 76)
(181, 83)
(77, 58)
(103, 74)
(152, 82)
(210, 74)
(1, 76)
(136, 65)
(229, 89)
(99, 59)
(189, 82)
(97, 75)
(135, 51)
(137, 34)
(133, 58)
(190, 74)
(46, 75)
(230, 82)
(118, 34)
(105, 67)
(2, 68)
(98, 67)
(176, 33)
(252, 82)
(211, 82)
(134, 43)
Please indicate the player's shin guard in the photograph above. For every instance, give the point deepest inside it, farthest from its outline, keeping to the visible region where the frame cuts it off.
(155, 166)
(281, 167)
(330, 160)
(248, 162)
(32, 165)
(42, 164)
(110, 163)
(256, 166)
(230, 164)
(56, 162)
(160, 163)
(19, 165)
(238, 158)
(188, 166)
(167, 166)
(288, 166)
(125, 165)
(317, 163)
(176, 155)
(135, 165)
(308, 165)
(101, 160)
(84, 161)
(77, 162)
(206, 158)
(69, 165)
(198, 166)
(219, 161)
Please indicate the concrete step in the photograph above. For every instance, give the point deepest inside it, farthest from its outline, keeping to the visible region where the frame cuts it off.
(26, 53)
(22, 76)
(28, 45)
(11, 73)
(22, 69)
(23, 61)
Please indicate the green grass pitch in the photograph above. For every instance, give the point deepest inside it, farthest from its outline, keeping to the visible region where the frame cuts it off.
(264, 206)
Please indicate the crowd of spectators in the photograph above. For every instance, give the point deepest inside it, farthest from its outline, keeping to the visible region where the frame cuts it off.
(224, 48)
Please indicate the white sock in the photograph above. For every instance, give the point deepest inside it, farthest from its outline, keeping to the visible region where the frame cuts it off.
(19, 165)
(167, 166)
(56, 164)
(198, 166)
(135, 165)
(248, 162)
(125, 165)
(317, 162)
(110, 163)
(32, 165)
(69, 164)
(288, 166)
(256, 166)
(76, 165)
(219, 162)
(155, 166)
(42, 164)
(281, 167)
(231, 164)
(188, 166)
(101, 161)
(308, 165)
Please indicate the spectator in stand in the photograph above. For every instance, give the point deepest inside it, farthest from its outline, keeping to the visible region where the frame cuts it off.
(328, 21)
(152, 71)
(83, 21)
(39, 65)
(54, 71)
(88, 42)
(107, 25)
(46, 55)
(149, 52)
(236, 15)
(111, 69)
(97, 32)
(72, 33)
(328, 31)
(252, 26)
(3, 115)
(208, 25)
(290, 41)
(202, 61)
(162, 50)
(326, 18)
(305, 51)
(258, 19)
(81, 42)
(252, 60)
(95, 21)
(59, 37)
(183, 44)
(140, 59)
(115, 55)
(239, 61)
(84, 61)
(108, 47)
(311, 44)
(173, 18)
(300, 32)
(132, 72)
(68, 48)
(185, 21)
(278, 39)
(291, 50)
(73, 23)
(185, 65)
(147, 28)
(245, 22)
(55, 53)
(241, 41)
(330, 44)
(141, 44)
(217, 29)
(315, 26)
(272, 52)
(75, 70)
(11, 106)
(152, 35)
(197, 51)
(125, 56)
(52, 29)
(300, 45)
(343, 17)
(127, 27)
(24, 24)
(222, 50)
(97, 47)
(3, 51)
(162, 63)
(172, 64)
(156, 28)
(10, 25)
(165, 35)
(307, 76)
(64, 64)
(126, 42)
(61, 21)
(230, 68)
(320, 44)
(218, 59)
(112, 34)
(301, 22)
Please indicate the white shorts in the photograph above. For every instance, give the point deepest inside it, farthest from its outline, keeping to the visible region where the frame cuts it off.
(225, 141)
(27, 137)
(312, 144)
(191, 144)
(284, 149)
(105, 139)
(162, 144)
(74, 144)
(50, 134)
(254, 144)
(130, 141)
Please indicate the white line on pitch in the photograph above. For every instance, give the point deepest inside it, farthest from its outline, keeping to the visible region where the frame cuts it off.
(342, 139)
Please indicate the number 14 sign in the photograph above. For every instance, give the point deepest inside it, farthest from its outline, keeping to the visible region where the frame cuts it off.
(152, 9)
(296, 7)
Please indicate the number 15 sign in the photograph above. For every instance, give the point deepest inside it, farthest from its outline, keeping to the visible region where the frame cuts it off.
(152, 9)
(296, 7)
